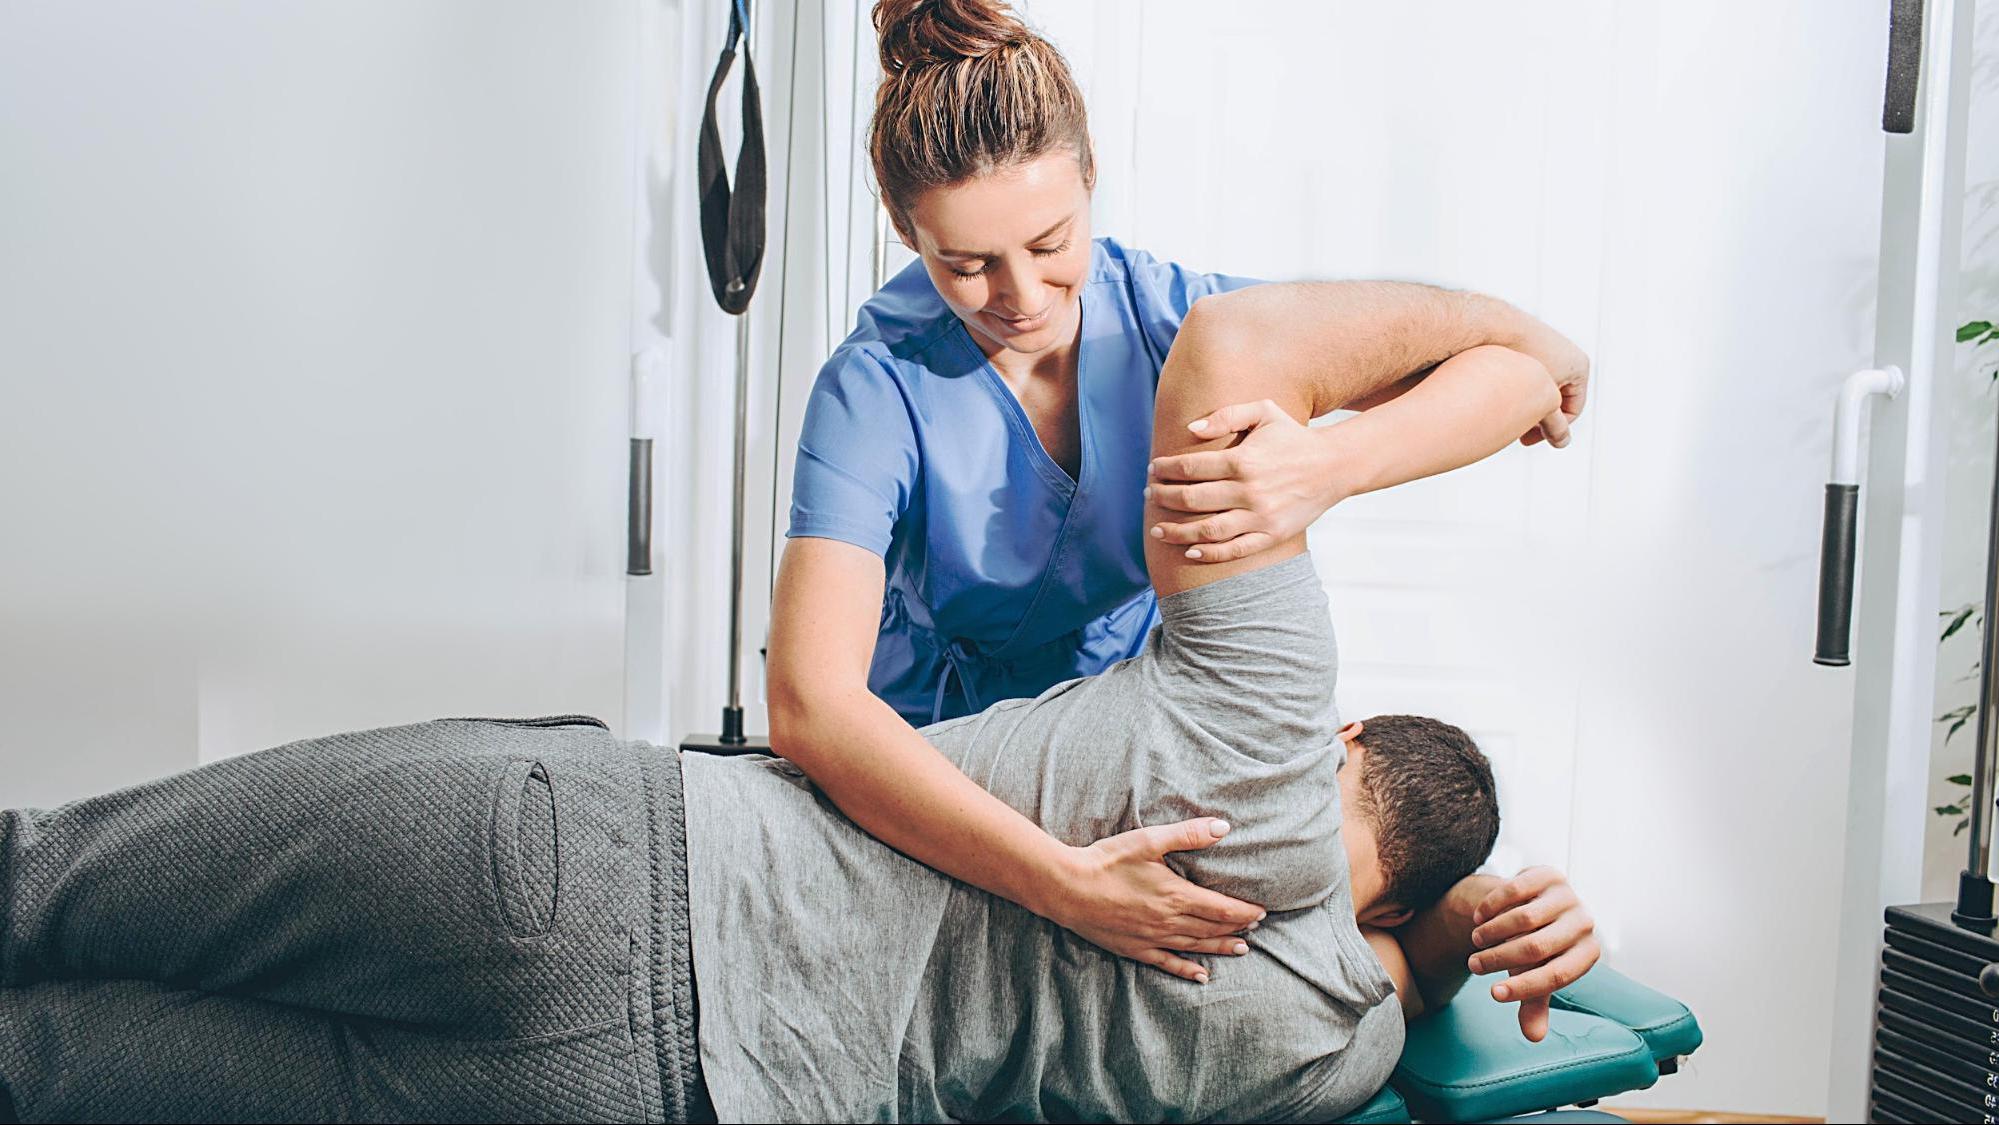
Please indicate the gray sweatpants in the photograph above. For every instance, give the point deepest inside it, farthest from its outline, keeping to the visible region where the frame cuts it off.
(466, 920)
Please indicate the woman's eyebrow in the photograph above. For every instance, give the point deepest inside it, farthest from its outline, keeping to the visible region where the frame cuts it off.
(990, 254)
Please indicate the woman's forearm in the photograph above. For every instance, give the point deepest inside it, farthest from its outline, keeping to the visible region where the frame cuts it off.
(1472, 406)
(886, 778)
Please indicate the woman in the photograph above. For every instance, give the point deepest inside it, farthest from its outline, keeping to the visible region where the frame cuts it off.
(967, 523)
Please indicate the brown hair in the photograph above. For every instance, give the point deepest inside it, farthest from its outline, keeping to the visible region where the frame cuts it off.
(1430, 792)
(966, 88)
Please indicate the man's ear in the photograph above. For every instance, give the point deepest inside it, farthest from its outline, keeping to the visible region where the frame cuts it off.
(1386, 916)
(1350, 732)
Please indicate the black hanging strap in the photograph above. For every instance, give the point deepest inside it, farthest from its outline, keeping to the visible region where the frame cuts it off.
(732, 221)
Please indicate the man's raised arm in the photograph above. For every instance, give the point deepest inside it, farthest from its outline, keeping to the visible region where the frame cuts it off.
(1471, 406)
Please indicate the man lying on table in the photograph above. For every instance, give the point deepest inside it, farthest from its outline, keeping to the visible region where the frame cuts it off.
(505, 921)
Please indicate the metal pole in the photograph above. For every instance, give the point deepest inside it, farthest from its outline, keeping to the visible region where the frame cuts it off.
(732, 714)
(732, 717)
(1974, 889)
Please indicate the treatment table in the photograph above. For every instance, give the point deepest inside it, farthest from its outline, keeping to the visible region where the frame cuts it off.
(1607, 1035)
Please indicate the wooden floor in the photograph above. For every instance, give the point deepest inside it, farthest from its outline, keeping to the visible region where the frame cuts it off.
(1704, 1117)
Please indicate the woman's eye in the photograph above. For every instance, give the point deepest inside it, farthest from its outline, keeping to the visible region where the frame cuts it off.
(1047, 251)
(968, 276)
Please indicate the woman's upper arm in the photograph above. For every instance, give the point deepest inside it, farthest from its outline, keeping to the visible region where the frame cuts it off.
(859, 460)
(825, 613)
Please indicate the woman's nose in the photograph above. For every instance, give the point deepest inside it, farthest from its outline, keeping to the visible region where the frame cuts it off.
(1012, 285)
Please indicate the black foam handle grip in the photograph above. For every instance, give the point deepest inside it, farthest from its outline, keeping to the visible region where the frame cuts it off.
(1905, 65)
(638, 510)
(1836, 550)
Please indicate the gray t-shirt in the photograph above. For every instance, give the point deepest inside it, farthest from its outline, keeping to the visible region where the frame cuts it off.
(839, 980)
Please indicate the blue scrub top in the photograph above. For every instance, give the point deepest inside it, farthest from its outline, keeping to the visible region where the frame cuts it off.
(1005, 576)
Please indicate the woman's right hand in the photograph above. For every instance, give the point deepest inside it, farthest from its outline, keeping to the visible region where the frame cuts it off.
(1118, 893)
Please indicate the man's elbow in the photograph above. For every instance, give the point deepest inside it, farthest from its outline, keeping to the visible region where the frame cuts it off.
(1219, 324)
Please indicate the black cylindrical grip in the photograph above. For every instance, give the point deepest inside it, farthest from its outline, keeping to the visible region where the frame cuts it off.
(638, 510)
(1842, 514)
(1905, 66)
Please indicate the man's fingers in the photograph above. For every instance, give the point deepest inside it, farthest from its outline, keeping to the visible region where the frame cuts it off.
(1240, 547)
(1216, 464)
(1534, 1020)
(1526, 885)
(1208, 496)
(1527, 917)
(1555, 427)
(1213, 529)
(1533, 948)
(1545, 981)
(1232, 419)
(1574, 393)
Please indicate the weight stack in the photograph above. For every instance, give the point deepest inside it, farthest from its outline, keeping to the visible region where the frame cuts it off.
(1936, 1030)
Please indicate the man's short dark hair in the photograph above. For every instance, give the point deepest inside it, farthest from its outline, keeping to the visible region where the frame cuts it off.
(1428, 790)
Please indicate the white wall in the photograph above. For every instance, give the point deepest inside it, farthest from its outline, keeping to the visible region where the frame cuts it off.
(312, 355)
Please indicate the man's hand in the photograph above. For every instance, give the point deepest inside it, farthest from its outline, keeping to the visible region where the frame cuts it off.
(1567, 363)
(1535, 928)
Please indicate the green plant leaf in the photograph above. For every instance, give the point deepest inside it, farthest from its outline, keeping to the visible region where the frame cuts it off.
(1974, 328)
(1950, 810)
(1957, 622)
(1959, 779)
(1954, 728)
(1961, 826)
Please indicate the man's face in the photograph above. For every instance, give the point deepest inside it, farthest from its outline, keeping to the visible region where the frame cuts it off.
(1009, 251)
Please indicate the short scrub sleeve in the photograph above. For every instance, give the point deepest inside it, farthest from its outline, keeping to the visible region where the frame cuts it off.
(857, 454)
(1162, 292)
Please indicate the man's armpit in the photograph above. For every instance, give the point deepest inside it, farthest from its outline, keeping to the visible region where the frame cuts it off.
(1389, 952)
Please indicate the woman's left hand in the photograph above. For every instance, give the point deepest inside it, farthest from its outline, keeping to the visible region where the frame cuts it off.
(1268, 487)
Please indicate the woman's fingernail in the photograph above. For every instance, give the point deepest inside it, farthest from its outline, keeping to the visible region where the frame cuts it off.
(1219, 827)
(1200, 978)
(1199, 427)
(1193, 552)
(1251, 926)
(1158, 532)
(1148, 492)
(1263, 915)
(1239, 948)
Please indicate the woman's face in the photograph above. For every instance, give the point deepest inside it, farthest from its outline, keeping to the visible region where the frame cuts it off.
(1010, 252)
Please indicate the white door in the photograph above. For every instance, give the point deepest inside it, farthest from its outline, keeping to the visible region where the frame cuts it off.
(313, 339)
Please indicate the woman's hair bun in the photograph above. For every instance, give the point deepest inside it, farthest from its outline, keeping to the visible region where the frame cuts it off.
(918, 33)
